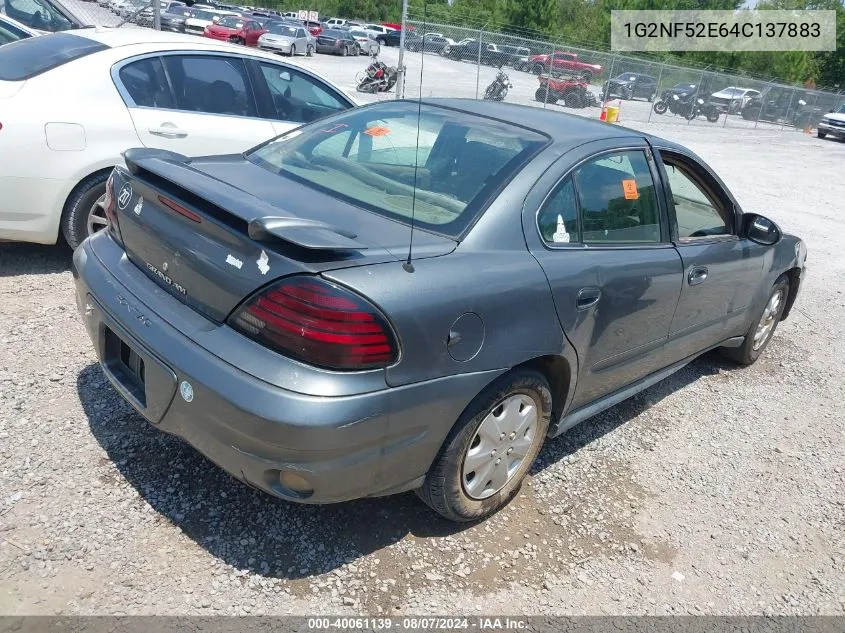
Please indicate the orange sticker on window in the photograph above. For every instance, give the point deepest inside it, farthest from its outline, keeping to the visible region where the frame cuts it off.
(377, 131)
(630, 189)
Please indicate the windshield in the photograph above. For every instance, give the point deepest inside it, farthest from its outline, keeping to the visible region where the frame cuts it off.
(334, 33)
(683, 87)
(231, 23)
(626, 77)
(283, 29)
(208, 16)
(840, 109)
(371, 157)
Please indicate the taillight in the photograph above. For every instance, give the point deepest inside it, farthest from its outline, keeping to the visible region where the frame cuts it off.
(111, 211)
(319, 323)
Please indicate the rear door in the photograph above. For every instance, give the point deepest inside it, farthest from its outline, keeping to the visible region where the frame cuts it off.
(194, 104)
(721, 270)
(597, 226)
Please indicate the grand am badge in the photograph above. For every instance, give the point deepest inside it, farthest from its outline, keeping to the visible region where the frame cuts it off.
(124, 197)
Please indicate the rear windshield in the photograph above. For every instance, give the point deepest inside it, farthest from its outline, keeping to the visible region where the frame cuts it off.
(372, 157)
(30, 57)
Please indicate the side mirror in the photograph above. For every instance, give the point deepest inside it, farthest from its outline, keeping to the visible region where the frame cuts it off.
(760, 229)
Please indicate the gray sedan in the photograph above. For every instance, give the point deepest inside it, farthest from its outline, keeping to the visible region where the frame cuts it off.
(286, 38)
(413, 296)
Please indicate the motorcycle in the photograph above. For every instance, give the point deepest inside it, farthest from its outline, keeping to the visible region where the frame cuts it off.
(682, 104)
(702, 107)
(498, 90)
(378, 77)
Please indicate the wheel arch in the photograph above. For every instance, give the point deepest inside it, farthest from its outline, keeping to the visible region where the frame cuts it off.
(80, 181)
(560, 371)
(794, 276)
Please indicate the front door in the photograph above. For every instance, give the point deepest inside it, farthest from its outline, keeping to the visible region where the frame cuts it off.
(721, 271)
(602, 240)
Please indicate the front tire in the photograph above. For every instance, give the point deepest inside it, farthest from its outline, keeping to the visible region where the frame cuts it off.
(84, 214)
(659, 107)
(762, 329)
(491, 448)
(293, 50)
(572, 99)
(821, 134)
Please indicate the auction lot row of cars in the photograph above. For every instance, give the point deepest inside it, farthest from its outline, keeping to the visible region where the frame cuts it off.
(328, 300)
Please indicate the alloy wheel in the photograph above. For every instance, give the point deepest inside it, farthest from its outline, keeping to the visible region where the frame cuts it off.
(97, 216)
(770, 316)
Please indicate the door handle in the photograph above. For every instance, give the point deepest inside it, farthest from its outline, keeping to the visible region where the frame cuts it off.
(697, 275)
(587, 298)
(167, 131)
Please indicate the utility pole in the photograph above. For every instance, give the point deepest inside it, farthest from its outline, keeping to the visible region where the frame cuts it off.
(400, 72)
(157, 15)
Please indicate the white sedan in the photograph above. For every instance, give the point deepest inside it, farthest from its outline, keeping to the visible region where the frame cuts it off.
(71, 103)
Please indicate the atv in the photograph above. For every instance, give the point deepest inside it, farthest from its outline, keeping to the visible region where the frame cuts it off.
(571, 90)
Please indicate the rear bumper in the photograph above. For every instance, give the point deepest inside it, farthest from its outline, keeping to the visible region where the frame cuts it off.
(346, 447)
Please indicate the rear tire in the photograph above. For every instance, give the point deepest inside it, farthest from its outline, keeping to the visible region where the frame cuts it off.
(293, 50)
(77, 213)
(572, 99)
(821, 134)
(762, 329)
(538, 69)
(587, 76)
(344, 52)
(514, 410)
(310, 51)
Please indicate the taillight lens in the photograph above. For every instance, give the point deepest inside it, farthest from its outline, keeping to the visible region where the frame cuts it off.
(319, 323)
(111, 211)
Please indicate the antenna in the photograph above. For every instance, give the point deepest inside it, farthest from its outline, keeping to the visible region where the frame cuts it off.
(408, 266)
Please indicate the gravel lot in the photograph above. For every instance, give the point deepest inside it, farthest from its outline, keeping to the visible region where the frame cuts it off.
(716, 491)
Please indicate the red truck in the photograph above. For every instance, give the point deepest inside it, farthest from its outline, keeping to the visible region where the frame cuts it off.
(561, 61)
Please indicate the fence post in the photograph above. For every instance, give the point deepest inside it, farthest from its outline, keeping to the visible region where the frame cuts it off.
(695, 98)
(762, 103)
(478, 63)
(788, 109)
(157, 15)
(605, 94)
(548, 77)
(657, 92)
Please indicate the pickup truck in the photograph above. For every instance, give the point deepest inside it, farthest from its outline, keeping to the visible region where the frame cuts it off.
(567, 62)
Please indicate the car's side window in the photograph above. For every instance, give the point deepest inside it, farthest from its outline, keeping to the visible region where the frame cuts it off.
(558, 217)
(298, 97)
(146, 83)
(210, 84)
(699, 210)
(618, 200)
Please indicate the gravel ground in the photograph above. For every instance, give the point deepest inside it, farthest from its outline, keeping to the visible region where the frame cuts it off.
(716, 491)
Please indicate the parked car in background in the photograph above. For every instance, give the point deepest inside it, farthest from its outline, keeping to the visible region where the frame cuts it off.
(782, 104)
(513, 55)
(336, 42)
(563, 61)
(124, 88)
(333, 23)
(367, 44)
(833, 124)
(45, 15)
(283, 337)
(435, 43)
(174, 16)
(315, 28)
(631, 86)
(473, 50)
(200, 19)
(288, 39)
(732, 99)
(378, 29)
(12, 30)
(413, 42)
(235, 29)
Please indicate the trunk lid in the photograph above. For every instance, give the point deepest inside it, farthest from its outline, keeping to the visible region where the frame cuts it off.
(211, 231)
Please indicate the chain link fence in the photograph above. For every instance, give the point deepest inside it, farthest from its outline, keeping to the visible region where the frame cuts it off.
(445, 60)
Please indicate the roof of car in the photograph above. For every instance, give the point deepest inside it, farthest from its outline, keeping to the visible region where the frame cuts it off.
(556, 124)
(128, 37)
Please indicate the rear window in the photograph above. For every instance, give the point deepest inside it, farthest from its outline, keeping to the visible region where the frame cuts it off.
(372, 157)
(30, 57)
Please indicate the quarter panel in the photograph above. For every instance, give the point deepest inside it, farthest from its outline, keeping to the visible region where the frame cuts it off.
(505, 289)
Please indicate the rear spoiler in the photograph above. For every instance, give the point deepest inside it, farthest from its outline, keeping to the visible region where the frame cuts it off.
(264, 221)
